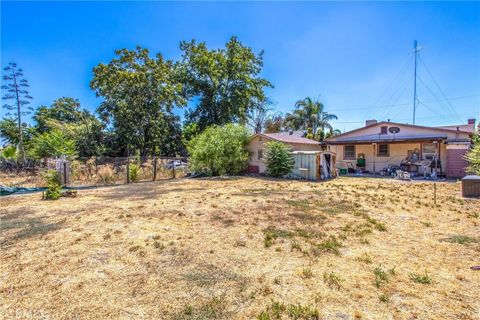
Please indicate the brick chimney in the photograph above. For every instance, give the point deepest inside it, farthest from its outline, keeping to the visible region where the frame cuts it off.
(471, 121)
(370, 122)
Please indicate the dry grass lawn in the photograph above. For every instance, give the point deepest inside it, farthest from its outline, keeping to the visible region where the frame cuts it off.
(243, 248)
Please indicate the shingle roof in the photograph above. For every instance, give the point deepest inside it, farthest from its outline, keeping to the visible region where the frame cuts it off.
(440, 129)
(290, 138)
(461, 127)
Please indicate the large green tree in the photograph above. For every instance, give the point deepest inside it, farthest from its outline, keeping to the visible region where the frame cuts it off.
(139, 94)
(16, 90)
(63, 110)
(67, 115)
(222, 83)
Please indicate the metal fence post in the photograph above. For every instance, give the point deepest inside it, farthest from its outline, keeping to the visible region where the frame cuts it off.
(128, 169)
(154, 168)
(173, 168)
(65, 173)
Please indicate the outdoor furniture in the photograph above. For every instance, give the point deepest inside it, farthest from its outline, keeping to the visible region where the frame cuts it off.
(402, 175)
(350, 167)
(390, 170)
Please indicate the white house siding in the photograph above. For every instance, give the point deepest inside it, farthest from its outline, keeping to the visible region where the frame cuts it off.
(255, 144)
(398, 151)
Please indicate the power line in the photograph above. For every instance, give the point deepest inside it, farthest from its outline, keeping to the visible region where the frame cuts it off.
(444, 107)
(404, 104)
(440, 104)
(438, 86)
(397, 93)
(388, 111)
(398, 76)
(432, 110)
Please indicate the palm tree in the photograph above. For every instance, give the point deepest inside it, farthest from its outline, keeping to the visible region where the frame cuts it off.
(310, 113)
(332, 133)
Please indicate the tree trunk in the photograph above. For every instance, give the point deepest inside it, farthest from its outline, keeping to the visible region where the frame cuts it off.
(19, 119)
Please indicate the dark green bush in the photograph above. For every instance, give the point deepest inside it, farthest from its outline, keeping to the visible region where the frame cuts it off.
(278, 159)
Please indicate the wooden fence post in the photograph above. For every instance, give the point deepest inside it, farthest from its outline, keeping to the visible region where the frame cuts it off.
(173, 168)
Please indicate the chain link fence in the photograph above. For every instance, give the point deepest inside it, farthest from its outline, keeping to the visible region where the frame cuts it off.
(94, 171)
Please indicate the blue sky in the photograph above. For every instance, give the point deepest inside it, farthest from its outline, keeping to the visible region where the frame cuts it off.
(354, 55)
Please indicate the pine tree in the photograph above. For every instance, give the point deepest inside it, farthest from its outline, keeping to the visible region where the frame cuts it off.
(16, 90)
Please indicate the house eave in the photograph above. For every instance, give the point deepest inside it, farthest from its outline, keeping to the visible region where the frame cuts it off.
(380, 123)
(390, 140)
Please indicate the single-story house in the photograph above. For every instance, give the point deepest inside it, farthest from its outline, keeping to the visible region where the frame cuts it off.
(256, 147)
(415, 148)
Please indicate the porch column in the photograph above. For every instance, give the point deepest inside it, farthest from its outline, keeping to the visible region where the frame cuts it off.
(374, 145)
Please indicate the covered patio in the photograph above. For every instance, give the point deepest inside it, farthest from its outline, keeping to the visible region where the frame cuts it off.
(420, 156)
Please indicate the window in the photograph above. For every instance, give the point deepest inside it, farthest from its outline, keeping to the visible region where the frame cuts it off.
(349, 152)
(428, 151)
(383, 129)
(260, 154)
(383, 150)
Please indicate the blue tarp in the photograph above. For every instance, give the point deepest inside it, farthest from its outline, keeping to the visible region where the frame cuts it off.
(5, 191)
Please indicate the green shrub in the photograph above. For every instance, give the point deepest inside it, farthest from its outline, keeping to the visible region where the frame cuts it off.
(473, 158)
(219, 150)
(133, 169)
(54, 185)
(419, 278)
(278, 159)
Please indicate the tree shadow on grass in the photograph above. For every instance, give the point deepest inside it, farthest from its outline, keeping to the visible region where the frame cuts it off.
(26, 226)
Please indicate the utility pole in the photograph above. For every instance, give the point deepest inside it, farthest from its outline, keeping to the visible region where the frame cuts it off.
(415, 49)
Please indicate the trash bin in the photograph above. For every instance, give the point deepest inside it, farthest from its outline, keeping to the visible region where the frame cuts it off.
(471, 186)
